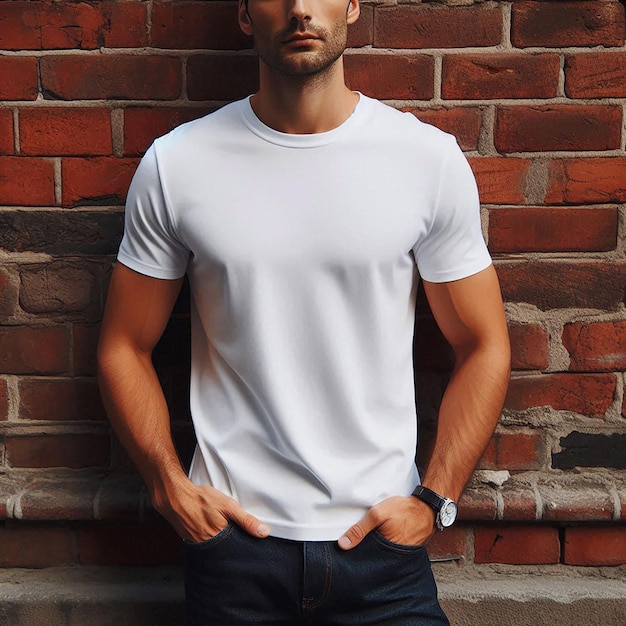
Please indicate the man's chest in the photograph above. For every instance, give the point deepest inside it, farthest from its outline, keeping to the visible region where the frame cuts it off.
(257, 210)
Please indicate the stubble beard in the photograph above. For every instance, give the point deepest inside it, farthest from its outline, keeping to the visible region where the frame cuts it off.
(303, 63)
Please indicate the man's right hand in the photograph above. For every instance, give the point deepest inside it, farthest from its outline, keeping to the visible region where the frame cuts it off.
(199, 513)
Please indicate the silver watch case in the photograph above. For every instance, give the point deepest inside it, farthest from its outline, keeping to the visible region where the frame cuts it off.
(446, 515)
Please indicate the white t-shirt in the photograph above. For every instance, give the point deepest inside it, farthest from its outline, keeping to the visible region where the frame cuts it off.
(303, 253)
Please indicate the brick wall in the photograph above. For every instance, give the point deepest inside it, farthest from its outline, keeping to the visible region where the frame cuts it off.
(535, 91)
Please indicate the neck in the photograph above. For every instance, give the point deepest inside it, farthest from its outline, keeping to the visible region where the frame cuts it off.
(303, 105)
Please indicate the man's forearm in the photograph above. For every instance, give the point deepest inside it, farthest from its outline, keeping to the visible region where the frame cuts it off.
(138, 413)
(468, 415)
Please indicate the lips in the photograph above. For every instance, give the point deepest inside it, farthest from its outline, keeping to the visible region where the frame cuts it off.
(301, 37)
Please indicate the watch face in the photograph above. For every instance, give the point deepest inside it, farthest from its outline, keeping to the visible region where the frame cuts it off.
(447, 515)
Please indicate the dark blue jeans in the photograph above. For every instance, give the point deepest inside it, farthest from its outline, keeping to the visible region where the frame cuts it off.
(234, 578)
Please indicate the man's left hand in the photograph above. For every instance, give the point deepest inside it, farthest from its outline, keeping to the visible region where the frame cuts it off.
(403, 520)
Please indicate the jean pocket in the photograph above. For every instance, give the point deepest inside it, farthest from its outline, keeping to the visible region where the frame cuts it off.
(223, 534)
(398, 548)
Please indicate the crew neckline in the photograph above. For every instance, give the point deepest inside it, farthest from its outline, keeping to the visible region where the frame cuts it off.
(292, 140)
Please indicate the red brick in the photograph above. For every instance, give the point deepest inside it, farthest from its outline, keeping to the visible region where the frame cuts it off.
(221, 77)
(596, 346)
(451, 543)
(128, 545)
(544, 229)
(530, 347)
(73, 451)
(125, 24)
(204, 25)
(85, 343)
(519, 451)
(519, 503)
(595, 546)
(576, 500)
(21, 26)
(488, 458)
(494, 76)
(4, 400)
(478, 504)
(560, 24)
(500, 180)
(514, 452)
(464, 123)
(587, 394)
(143, 125)
(9, 292)
(407, 26)
(58, 131)
(387, 76)
(26, 181)
(557, 127)
(46, 25)
(34, 350)
(61, 287)
(596, 75)
(563, 284)
(59, 499)
(19, 78)
(7, 142)
(592, 180)
(35, 547)
(40, 25)
(60, 399)
(517, 545)
(101, 180)
(361, 33)
(80, 77)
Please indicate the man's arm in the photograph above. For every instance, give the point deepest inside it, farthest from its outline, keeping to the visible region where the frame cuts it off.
(137, 311)
(470, 314)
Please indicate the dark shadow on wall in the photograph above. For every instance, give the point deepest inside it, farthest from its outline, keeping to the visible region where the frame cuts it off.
(433, 360)
(172, 361)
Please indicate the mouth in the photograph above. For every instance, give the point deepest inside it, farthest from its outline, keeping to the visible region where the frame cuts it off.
(301, 37)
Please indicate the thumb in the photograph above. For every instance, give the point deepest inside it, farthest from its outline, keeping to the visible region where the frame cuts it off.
(355, 534)
(252, 525)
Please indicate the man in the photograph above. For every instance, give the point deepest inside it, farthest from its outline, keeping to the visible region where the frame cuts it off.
(302, 216)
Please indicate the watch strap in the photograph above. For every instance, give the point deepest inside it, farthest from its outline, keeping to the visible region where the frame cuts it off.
(429, 496)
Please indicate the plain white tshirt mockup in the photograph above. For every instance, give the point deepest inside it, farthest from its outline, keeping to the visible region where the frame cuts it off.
(303, 253)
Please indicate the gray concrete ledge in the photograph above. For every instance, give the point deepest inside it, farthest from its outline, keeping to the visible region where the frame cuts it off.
(91, 596)
(536, 601)
(105, 596)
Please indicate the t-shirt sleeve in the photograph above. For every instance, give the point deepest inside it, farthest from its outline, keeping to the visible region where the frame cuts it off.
(150, 244)
(454, 246)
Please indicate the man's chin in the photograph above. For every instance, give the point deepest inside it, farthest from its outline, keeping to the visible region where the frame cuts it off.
(301, 64)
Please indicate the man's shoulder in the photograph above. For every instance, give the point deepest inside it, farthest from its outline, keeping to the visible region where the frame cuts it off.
(405, 127)
(201, 130)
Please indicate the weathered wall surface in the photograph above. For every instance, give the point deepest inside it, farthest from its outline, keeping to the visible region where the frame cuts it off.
(535, 91)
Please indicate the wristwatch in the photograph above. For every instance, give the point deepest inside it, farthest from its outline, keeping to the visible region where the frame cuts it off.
(445, 508)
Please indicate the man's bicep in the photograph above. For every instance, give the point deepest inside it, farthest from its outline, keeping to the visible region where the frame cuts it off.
(138, 308)
(469, 311)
